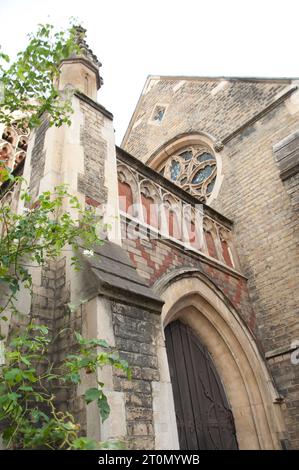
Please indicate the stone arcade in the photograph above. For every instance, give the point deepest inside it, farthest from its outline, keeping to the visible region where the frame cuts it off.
(206, 318)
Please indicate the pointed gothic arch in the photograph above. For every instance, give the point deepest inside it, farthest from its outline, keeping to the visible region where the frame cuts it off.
(194, 300)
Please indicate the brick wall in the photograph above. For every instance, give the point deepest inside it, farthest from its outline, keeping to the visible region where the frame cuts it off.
(265, 226)
(155, 257)
(287, 378)
(49, 307)
(264, 208)
(210, 106)
(265, 213)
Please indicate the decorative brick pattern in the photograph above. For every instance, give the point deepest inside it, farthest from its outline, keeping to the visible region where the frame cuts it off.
(154, 258)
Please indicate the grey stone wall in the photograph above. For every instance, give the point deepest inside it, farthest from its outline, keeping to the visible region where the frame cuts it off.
(286, 377)
(136, 331)
(38, 157)
(91, 183)
(49, 307)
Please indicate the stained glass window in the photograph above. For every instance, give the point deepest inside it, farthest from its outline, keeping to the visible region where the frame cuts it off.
(194, 169)
(202, 174)
(186, 155)
(210, 186)
(205, 156)
(175, 170)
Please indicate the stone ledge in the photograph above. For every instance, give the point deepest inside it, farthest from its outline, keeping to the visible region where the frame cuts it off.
(118, 278)
(94, 104)
(286, 154)
(280, 351)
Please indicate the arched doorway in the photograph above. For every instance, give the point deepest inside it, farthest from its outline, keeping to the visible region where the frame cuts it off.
(203, 415)
(193, 299)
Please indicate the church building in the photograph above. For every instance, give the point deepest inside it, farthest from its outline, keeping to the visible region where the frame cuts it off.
(196, 285)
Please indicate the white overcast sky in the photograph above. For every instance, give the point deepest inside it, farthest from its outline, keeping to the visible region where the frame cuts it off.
(137, 38)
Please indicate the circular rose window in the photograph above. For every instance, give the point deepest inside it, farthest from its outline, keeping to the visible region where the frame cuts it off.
(193, 168)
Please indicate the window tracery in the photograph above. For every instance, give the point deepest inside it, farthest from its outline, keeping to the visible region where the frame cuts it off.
(193, 168)
(174, 216)
(13, 145)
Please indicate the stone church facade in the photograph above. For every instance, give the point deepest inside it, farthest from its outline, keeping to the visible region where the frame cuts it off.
(197, 282)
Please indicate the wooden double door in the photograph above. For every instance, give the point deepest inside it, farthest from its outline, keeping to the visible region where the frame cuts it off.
(204, 418)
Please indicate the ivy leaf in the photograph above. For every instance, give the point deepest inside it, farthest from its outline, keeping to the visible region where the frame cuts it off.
(14, 375)
(25, 361)
(79, 337)
(83, 443)
(13, 396)
(84, 362)
(26, 388)
(92, 394)
(74, 377)
(103, 407)
(7, 433)
(36, 415)
(4, 57)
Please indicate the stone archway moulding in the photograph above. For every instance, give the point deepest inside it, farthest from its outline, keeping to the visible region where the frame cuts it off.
(192, 298)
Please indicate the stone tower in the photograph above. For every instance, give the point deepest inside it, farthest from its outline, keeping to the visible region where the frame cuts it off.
(108, 291)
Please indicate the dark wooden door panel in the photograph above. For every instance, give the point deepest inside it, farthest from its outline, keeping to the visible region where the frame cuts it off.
(203, 415)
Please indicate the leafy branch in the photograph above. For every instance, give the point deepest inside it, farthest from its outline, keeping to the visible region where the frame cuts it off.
(41, 233)
(29, 82)
(28, 413)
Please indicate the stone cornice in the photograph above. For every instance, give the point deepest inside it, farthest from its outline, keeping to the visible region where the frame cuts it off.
(94, 104)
